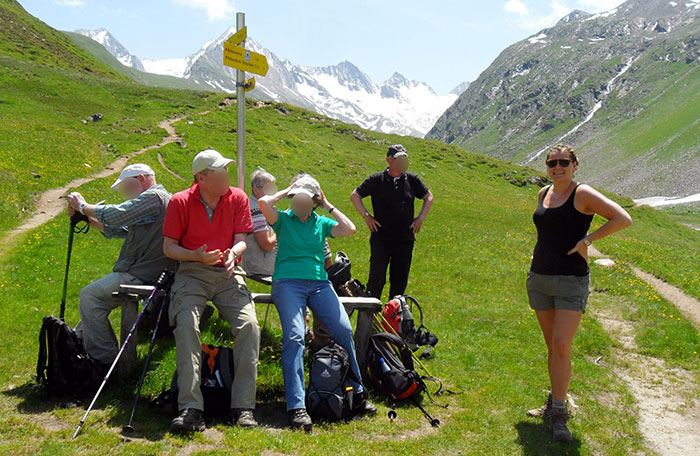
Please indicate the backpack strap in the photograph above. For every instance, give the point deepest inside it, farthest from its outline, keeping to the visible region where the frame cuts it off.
(423, 334)
(41, 362)
(420, 309)
(403, 351)
(212, 352)
(226, 367)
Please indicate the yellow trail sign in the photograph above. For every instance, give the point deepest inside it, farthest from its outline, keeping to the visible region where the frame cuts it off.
(238, 37)
(249, 84)
(245, 60)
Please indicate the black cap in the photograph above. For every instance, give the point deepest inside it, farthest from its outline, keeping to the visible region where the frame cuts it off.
(396, 150)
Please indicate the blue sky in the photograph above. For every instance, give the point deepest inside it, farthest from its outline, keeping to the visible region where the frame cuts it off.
(443, 42)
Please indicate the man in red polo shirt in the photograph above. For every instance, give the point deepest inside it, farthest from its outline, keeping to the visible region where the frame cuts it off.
(205, 229)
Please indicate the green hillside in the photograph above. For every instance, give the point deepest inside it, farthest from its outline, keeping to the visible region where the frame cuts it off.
(641, 63)
(50, 85)
(469, 273)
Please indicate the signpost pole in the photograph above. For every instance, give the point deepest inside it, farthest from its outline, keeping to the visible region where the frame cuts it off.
(240, 101)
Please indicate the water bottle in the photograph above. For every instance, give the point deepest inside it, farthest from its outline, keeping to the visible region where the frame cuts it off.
(384, 366)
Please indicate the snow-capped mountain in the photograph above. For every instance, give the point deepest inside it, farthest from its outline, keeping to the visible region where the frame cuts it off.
(114, 47)
(341, 91)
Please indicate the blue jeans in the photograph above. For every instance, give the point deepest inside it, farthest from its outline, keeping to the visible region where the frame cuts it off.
(291, 296)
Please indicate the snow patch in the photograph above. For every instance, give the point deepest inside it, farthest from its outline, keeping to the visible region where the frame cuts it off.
(168, 67)
(538, 39)
(604, 14)
(658, 201)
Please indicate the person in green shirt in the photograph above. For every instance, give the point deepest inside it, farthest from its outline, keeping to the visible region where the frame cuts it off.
(300, 280)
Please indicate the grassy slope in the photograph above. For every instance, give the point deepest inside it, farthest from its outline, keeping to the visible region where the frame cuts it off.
(469, 273)
(685, 213)
(49, 84)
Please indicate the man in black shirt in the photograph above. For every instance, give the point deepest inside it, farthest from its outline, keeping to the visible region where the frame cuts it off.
(393, 224)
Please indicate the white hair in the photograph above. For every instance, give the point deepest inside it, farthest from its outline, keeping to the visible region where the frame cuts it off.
(260, 177)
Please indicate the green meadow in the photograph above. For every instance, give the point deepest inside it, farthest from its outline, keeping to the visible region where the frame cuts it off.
(469, 273)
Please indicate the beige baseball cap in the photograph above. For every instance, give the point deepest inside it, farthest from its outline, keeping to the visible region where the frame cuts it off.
(137, 169)
(305, 185)
(209, 159)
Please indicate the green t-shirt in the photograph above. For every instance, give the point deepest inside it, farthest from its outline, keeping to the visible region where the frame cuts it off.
(300, 246)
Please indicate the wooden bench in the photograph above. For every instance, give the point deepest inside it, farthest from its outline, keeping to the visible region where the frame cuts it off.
(131, 295)
(366, 308)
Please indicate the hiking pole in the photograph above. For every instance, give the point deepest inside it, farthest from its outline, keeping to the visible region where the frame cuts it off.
(162, 280)
(76, 218)
(128, 428)
(434, 422)
(379, 319)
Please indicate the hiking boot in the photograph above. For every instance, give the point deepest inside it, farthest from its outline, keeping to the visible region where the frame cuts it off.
(189, 420)
(557, 419)
(242, 417)
(541, 411)
(299, 419)
(365, 407)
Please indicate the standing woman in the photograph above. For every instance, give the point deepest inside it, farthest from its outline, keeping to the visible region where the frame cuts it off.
(558, 280)
(300, 280)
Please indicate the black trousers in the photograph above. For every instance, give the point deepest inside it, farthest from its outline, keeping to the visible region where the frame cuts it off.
(396, 255)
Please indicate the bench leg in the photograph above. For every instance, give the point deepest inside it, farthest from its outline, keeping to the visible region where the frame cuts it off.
(127, 362)
(363, 331)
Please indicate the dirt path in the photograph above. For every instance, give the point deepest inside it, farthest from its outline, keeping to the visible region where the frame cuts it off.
(666, 397)
(688, 305)
(51, 202)
(173, 173)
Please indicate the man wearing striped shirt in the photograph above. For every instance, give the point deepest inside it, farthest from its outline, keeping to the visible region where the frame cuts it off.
(139, 221)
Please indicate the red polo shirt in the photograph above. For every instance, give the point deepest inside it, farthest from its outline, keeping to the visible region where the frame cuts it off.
(187, 221)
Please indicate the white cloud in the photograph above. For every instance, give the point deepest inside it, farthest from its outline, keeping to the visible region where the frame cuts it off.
(516, 7)
(72, 3)
(528, 20)
(525, 18)
(215, 9)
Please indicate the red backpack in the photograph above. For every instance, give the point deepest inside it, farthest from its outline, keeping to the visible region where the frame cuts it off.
(398, 319)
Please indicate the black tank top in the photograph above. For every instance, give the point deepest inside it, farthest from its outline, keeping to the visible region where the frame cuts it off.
(558, 231)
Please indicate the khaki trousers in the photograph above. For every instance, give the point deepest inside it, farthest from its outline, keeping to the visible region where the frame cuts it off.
(194, 285)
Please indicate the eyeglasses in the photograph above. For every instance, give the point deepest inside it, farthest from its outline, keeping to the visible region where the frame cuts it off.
(563, 162)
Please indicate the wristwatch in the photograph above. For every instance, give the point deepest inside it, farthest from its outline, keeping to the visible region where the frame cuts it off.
(81, 208)
(366, 214)
(587, 241)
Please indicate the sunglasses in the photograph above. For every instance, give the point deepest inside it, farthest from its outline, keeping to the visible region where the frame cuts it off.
(563, 162)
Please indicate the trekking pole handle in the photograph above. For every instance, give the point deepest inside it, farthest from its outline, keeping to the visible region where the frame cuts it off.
(164, 278)
(77, 217)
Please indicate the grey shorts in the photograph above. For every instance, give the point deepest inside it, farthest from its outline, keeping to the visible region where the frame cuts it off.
(565, 292)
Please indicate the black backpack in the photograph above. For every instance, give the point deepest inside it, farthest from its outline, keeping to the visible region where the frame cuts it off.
(339, 271)
(329, 395)
(399, 318)
(216, 382)
(391, 367)
(64, 368)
